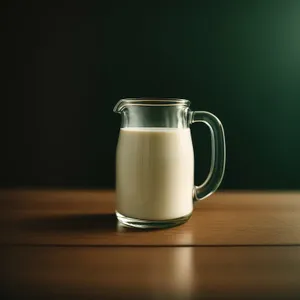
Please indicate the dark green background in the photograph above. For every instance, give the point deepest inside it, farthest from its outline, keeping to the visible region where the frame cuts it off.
(66, 64)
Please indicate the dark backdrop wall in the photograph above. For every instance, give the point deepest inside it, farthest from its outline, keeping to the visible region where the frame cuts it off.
(65, 64)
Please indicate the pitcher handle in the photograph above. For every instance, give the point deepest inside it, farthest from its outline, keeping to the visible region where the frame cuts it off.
(218, 154)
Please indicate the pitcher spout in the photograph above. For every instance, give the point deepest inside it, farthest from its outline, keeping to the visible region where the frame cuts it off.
(121, 105)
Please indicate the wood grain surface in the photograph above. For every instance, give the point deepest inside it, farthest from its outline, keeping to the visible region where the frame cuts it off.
(80, 217)
(151, 272)
(67, 244)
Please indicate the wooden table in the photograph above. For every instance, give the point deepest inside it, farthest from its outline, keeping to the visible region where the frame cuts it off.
(66, 244)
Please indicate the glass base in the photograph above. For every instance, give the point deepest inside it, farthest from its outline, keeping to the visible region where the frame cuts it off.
(150, 224)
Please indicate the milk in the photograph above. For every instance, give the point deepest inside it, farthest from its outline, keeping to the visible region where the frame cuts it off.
(155, 173)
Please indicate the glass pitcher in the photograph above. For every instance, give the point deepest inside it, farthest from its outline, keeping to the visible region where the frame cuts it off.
(155, 162)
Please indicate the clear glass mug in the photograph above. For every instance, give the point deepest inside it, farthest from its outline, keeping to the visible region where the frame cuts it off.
(155, 162)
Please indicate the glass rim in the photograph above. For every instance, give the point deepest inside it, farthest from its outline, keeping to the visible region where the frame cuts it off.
(148, 101)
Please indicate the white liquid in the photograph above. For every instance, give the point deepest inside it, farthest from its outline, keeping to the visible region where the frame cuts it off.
(155, 173)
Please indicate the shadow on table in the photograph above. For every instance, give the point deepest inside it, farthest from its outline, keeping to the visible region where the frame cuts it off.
(73, 223)
(78, 223)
